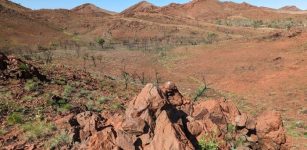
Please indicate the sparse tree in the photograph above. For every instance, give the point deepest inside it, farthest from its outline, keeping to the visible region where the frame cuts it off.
(48, 55)
(101, 42)
(94, 60)
(141, 78)
(85, 57)
(157, 78)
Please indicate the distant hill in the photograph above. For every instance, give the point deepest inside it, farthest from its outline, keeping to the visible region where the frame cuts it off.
(142, 6)
(141, 22)
(19, 29)
(90, 8)
(13, 6)
(290, 8)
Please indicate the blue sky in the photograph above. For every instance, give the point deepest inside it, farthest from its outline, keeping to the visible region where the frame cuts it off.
(119, 5)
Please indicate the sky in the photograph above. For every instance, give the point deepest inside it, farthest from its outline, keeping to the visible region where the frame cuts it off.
(119, 5)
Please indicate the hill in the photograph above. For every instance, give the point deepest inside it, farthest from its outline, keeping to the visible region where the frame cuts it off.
(146, 23)
(90, 8)
(290, 8)
(19, 29)
(13, 6)
(142, 6)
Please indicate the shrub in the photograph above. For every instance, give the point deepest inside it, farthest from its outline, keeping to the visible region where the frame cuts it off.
(257, 23)
(208, 143)
(68, 91)
(31, 85)
(2, 132)
(102, 100)
(59, 103)
(14, 118)
(101, 42)
(84, 93)
(23, 67)
(64, 107)
(117, 106)
(27, 98)
(59, 140)
(211, 37)
(231, 128)
(90, 105)
(37, 129)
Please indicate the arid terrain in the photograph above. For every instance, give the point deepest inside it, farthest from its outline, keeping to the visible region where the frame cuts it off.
(89, 78)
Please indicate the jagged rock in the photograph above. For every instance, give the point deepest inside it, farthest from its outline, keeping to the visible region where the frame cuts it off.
(168, 136)
(104, 139)
(230, 110)
(210, 109)
(244, 131)
(270, 130)
(12, 67)
(250, 124)
(89, 123)
(241, 120)
(252, 138)
(149, 98)
(194, 128)
(172, 94)
(135, 126)
(154, 120)
(125, 140)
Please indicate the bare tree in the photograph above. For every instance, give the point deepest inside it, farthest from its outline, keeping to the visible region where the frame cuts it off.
(142, 78)
(94, 60)
(85, 57)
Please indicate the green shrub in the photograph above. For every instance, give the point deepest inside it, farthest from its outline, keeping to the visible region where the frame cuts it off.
(101, 42)
(211, 37)
(58, 140)
(102, 100)
(64, 108)
(208, 143)
(257, 23)
(27, 98)
(23, 67)
(84, 93)
(231, 128)
(68, 91)
(90, 105)
(117, 106)
(15, 118)
(2, 132)
(37, 129)
(31, 85)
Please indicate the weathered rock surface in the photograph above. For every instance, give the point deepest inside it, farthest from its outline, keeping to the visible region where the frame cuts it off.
(155, 120)
(270, 130)
(12, 67)
(168, 136)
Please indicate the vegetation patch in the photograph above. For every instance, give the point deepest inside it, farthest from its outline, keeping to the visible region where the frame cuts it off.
(59, 140)
(208, 142)
(31, 86)
(37, 129)
(15, 118)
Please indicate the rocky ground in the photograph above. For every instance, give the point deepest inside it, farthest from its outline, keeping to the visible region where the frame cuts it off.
(62, 108)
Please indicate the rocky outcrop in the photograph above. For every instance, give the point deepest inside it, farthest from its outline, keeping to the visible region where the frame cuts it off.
(160, 118)
(12, 67)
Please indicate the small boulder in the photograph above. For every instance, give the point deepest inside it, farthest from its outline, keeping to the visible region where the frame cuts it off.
(168, 136)
(89, 123)
(104, 139)
(241, 120)
(270, 130)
